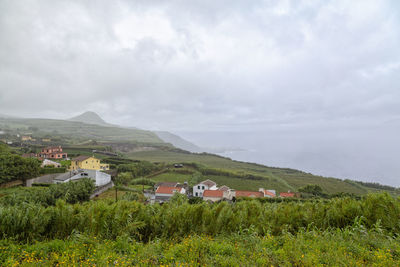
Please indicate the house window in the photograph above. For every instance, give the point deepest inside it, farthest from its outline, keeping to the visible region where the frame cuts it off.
(202, 187)
(198, 187)
(197, 194)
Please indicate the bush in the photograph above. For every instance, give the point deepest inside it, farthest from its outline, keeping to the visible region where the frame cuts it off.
(72, 192)
(50, 170)
(14, 167)
(138, 169)
(178, 218)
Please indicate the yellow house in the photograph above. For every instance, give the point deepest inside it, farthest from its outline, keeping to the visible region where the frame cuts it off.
(88, 163)
(26, 138)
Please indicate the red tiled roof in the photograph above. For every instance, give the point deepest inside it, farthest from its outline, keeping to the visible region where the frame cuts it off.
(266, 192)
(168, 190)
(167, 184)
(283, 194)
(213, 193)
(248, 194)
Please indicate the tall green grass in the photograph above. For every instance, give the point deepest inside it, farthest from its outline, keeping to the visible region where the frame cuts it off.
(109, 220)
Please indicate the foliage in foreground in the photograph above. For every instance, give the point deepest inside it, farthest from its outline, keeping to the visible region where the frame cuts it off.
(13, 167)
(71, 192)
(177, 219)
(352, 246)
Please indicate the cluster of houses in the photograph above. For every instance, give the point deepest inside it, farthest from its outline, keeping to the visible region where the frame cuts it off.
(208, 191)
(81, 167)
(11, 139)
(51, 152)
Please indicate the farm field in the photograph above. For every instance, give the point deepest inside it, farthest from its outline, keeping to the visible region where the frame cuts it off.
(282, 179)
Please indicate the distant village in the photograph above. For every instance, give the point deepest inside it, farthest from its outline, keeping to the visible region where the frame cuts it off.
(80, 167)
(86, 166)
(209, 191)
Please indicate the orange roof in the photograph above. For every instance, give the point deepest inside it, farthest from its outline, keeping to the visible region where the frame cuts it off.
(168, 190)
(213, 193)
(266, 192)
(287, 194)
(248, 194)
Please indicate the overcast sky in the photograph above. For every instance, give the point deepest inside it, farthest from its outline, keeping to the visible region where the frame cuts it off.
(207, 65)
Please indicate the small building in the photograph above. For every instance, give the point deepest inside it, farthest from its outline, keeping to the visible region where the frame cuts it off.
(100, 178)
(178, 165)
(205, 185)
(88, 163)
(241, 193)
(52, 152)
(224, 188)
(26, 138)
(47, 162)
(46, 140)
(165, 184)
(287, 194)
(268, 192)
(217, 195)
(164, 193)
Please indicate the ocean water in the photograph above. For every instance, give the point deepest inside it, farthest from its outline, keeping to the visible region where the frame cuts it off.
(369, 154)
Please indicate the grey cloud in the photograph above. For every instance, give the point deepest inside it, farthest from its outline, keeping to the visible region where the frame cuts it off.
(279, 66)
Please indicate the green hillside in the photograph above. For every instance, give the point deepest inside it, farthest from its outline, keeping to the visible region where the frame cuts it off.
(81, 138)
(280, 179)
(79, 129)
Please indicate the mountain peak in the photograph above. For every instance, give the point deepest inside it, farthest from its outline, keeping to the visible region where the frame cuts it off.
(89, 117)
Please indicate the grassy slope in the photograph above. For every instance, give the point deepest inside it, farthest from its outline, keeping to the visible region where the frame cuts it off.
(279, 178)
(80, 129)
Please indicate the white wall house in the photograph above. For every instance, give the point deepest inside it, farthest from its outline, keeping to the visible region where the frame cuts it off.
(268, 192)
(198, 189)
(47, 162)
(164, 193)
(99, 177)
(217, 195)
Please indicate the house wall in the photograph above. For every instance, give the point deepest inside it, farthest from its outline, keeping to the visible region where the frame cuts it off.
(48, 178)
(100, 178)
(213, 199)
(200, 190)
(163, 195)
(87, 164)
(104, 166)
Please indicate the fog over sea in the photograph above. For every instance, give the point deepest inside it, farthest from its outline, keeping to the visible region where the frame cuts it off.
(370, 154)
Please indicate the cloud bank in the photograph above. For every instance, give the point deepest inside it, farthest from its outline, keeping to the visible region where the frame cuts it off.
(291, 67)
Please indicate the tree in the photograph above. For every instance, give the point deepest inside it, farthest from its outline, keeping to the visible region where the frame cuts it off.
(121, 179)
(13, 167)
(313, 189)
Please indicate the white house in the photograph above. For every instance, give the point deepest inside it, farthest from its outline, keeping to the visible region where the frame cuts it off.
(217, 195)
(198, 189)
(268, 192)
(164, 193)
(99, 177)
(47, 162)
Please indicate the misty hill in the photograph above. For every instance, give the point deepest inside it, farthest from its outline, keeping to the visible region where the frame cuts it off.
(78, 130)
(89, 117)
(139, 144)
(177, 141)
